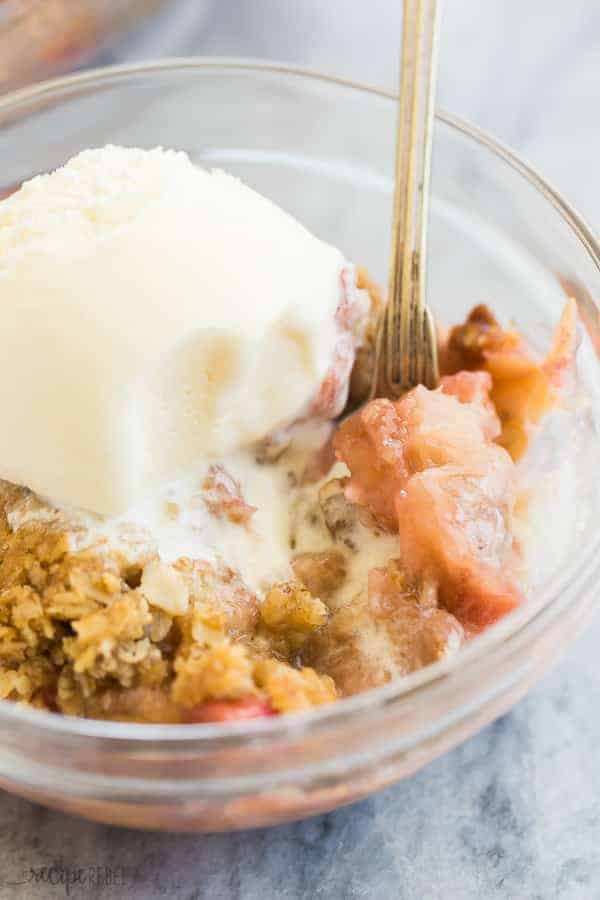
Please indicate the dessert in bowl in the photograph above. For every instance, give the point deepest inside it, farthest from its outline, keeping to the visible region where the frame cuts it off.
(320, 546)
(215, 543)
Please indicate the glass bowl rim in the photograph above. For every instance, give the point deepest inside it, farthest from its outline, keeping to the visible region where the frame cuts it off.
(517, 624)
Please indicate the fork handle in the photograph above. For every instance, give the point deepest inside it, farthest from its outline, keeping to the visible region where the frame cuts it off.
(407, 348)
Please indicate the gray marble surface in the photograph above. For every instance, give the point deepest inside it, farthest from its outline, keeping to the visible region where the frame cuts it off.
(515, 812)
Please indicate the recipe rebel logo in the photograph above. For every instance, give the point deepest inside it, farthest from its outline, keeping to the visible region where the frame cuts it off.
(70, 877)
(72, 880)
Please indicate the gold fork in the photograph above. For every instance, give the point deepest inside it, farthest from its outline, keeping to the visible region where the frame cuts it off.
(406, 341)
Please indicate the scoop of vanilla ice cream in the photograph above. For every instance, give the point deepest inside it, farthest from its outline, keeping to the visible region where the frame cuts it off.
(153, 314)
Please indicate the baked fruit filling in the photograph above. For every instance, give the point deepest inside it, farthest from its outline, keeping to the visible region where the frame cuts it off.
(395, 546)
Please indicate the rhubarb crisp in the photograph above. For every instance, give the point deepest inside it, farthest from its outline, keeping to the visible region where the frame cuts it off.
(394, 545)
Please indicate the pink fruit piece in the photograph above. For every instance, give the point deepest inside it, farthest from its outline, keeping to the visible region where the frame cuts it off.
(427, 467)
(371, 443)
(229, 710)
(223, 496)
(333, 392)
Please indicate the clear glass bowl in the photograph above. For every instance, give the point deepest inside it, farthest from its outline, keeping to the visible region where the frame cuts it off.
(323, 149)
